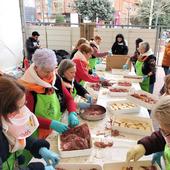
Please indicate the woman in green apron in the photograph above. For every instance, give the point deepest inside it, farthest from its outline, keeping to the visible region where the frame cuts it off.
(47, 97)
(81, 60)
(17, 124)
(146, 66)
(159, 140)
(95, 59)
(67, 70)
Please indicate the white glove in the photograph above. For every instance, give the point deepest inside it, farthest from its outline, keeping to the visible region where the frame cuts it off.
(135, 153)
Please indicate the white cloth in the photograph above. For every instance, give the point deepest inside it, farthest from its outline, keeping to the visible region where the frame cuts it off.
(80, 56)
(18, 129)
(148, 53)
(14, 144)
(32, 77)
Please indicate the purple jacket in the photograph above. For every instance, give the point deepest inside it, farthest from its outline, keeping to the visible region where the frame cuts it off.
(153, 143)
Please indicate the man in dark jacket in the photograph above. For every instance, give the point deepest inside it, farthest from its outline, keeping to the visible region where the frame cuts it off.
(32, 43)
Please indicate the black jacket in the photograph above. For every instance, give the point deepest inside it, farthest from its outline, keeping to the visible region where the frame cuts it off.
(153, 143)
(72, 53)
(81, 91)
(119, 49)
(59, 93)
(32, 145)
(149, 65)
(30, 46)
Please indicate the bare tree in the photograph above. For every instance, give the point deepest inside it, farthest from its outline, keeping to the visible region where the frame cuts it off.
(160, 12)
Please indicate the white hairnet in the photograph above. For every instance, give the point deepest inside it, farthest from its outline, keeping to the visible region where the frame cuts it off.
(161, 112)
(44, 58)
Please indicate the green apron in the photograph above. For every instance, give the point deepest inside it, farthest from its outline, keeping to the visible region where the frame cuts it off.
(167, 157)
(145, 83)
(47, 106)
(74, 93)
(82, 83)
(11, 163)
(92, 63)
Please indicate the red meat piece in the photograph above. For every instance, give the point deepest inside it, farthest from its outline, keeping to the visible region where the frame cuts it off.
(76, 138)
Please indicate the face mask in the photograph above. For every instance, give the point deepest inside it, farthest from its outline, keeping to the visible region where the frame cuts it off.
(21, 125)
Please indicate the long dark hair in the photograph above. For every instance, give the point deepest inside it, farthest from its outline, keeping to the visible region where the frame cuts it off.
(120, 36)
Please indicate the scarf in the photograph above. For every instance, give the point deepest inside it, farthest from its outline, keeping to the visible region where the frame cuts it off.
(79, 56)
(18, 128)
(143, 57)
(33, 82)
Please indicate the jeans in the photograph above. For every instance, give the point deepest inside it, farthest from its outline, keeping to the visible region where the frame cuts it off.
(166, 69)
(151, 87)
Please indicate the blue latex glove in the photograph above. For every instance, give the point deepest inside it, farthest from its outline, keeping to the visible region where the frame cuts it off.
(49, 167)
(110, 53)
(83, 105)
(125, 67)
(50, 157)
(145, 77)
(99, 61)
(89, 98)
(102, 79)
(157, 158)
(58, 126)
(73, 119)
(94, 72)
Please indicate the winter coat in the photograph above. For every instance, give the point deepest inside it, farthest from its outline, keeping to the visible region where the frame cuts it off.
(166, 57)
(119, 49)
(149, 65)
(153, 143)
(31, 83)
(31, 47)
(32, 145)
(81, 69)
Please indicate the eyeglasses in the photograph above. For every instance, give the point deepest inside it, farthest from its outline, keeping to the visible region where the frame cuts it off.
(164, 133)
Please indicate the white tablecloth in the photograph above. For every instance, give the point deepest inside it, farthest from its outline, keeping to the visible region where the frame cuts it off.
(121, 144)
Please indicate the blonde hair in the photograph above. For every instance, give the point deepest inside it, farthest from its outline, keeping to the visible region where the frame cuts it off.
(97, 37)
(85, 48)
(80, 41)
(161, 112)
(167, 83)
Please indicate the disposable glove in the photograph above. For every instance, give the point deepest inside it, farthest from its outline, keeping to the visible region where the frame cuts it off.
(83, 105)
(109, 53)
(135, 153)
(49, 167)
(50, 157)
(125, 67)
(98, 61)
(157, 158)
(94, 72)
(89, 98)
(73, 119)
(58, 126)
(145, 77)
(102, 79)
